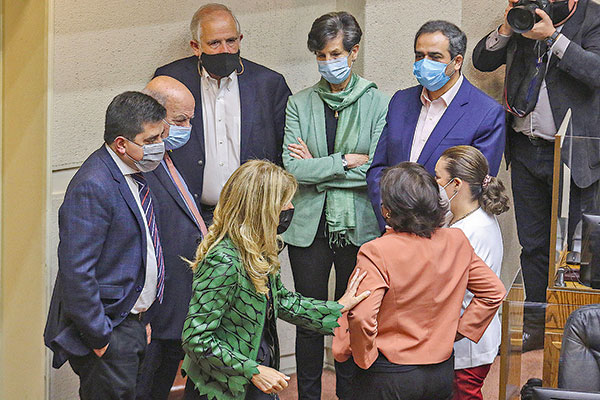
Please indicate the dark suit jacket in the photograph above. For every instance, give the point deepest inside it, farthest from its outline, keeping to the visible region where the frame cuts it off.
(101, 259)
(179, 237)
(472, 118)
(263, 98)
(572, 82)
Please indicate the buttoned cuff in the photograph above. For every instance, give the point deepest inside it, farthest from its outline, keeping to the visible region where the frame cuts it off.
(496, 40)
(560, 46)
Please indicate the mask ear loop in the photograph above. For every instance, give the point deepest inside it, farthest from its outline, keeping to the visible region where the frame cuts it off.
(242, 64)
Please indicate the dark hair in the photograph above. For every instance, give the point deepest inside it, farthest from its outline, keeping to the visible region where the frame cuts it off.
(329, 26)
(470, 165)
(412, 196)
(128, 112)
(456, 38)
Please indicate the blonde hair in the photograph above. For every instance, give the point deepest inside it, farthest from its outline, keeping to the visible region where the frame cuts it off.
(248, 213)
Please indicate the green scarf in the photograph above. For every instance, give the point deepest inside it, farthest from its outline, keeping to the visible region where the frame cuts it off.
(340, 211)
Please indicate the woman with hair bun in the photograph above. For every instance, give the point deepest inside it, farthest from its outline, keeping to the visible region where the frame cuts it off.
(475, 199)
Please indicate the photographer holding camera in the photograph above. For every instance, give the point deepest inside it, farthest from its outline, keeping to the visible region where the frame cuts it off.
(552, 54)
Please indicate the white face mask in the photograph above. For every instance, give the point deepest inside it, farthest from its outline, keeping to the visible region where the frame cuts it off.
(446, 201)
(153, 155)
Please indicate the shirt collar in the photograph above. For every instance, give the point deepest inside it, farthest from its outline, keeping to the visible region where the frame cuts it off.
(446, 97)
(226, 81)
(124, 168)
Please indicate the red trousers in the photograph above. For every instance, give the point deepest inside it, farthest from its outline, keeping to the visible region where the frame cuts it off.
(468, 382)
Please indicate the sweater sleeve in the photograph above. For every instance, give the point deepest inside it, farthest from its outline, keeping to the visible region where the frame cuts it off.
(214, 289)
(317, 315)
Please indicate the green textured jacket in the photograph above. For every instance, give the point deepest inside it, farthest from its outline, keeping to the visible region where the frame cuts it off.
(222, 332)
(305, 118)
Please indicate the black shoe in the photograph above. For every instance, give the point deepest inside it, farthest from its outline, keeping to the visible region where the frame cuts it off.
(527, 389)
(532, 341)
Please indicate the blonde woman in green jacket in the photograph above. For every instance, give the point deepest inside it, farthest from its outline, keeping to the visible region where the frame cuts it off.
(331, 133)
(229, 335)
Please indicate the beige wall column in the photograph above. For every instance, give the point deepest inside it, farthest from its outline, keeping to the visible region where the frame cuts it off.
(23, 198)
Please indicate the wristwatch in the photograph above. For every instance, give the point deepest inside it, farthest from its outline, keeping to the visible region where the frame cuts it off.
(344, 162)
(552, 38)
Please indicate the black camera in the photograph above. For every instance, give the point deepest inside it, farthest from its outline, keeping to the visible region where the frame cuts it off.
(522, 16)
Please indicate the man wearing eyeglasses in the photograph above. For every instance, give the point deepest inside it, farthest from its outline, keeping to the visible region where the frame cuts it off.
(240, 106)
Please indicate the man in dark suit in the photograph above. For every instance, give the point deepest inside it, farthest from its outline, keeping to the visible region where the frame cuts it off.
(181, 229)
(110, 265)
(550, 68)
(240, 106)
(445, 110)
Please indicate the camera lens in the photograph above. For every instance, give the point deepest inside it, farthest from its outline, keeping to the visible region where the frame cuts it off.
(521, 19)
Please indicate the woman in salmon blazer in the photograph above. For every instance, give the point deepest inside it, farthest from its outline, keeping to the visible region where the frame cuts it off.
(402, 335)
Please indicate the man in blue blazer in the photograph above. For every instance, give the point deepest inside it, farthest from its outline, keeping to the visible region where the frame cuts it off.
(240, 106)
(445, 110)
(109, 255)
(181, 229)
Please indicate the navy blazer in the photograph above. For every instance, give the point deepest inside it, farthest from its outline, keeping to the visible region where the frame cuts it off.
(263, 98)
(472, 118)
(179, 237)
(101, 259)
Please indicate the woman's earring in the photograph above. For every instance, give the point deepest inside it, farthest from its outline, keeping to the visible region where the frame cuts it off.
(387, 215)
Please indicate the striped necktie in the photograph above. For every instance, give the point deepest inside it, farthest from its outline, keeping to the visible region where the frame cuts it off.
(146, 200)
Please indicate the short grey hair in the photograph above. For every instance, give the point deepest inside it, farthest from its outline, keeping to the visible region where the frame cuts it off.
(327, 27)
(456, 37)
(196, 24)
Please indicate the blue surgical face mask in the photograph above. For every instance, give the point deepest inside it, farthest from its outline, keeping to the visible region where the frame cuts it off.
(178, 136)
(335, 71)
(431, 74)
(153, 155)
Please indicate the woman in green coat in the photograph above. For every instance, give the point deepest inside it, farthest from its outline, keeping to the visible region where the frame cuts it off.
(229, 335)
(331, 132)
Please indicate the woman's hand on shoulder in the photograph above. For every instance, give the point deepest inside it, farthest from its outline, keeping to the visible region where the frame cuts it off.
(269, 380)
(350, 299)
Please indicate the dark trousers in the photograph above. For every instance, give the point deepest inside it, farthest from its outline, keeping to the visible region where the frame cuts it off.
(113, 376)
(159, 369)
(310, 267)
(531, 175)
(425, 382)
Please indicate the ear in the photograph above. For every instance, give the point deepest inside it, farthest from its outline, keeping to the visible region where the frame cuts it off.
(384, 211)
(354, 52)
(458, 183)
(195, 48)
(241, 37)
(458, 62)
(119, 145)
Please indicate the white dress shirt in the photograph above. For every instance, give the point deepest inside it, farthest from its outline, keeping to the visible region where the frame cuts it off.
(431, 113)
(221, 115)
(540, 121)
(148, 293)
(484, 234)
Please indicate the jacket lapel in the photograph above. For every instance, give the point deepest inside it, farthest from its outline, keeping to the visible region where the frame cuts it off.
(247, 110)
(318, 124)
(165, 180)
(127, 195)
(453, 113)
(197, 136)
(572, 27)
(412, 118)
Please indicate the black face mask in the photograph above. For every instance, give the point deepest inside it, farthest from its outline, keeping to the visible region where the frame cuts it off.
(222, 64)
(285, 219)
(560, 11)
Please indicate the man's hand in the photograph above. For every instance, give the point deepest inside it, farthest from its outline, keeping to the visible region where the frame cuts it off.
(100, 352)
(356, 160)
(269, 380)
(148, 334)
(542, 29)
(505, 28)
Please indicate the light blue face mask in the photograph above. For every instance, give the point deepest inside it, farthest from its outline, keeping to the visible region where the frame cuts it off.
(431, 74)
(335, 71)
(178, 136)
